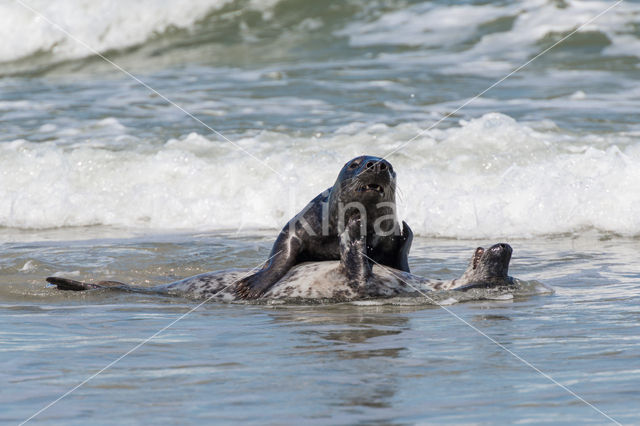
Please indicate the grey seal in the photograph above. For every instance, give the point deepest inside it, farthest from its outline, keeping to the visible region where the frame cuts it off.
(365, 188)
(327, 280)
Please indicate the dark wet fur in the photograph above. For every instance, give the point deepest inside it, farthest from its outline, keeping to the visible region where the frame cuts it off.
(302, 239)
(70, 285)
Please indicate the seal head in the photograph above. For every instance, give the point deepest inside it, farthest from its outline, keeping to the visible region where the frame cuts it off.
(488, 268)
(365, 185)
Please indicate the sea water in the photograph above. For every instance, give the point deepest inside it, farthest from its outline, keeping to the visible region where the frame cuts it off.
(251, 109)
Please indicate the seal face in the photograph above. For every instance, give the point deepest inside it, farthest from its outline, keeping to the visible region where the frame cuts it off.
(488, 267)
(365, 189)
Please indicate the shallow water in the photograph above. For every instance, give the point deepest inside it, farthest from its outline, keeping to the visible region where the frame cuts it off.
(103, 178)
(324, 364)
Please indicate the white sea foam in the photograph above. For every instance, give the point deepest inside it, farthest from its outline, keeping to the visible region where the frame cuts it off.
(29, 266)
(119, 24)
(444, 26)
(102, 25)
(488, 177)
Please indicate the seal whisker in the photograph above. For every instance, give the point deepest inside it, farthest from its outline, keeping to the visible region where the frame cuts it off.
(355, 184)
(399, 193)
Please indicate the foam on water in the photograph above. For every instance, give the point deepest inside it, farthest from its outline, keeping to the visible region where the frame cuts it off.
(498, 31)
(102, 25)
(493, 35)
(494, 39)
(488, 177)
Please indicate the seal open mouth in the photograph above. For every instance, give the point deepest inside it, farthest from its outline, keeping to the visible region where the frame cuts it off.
(372, 187)
(477, 256)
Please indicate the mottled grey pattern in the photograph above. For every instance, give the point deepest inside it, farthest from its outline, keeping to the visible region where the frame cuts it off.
(325, 280)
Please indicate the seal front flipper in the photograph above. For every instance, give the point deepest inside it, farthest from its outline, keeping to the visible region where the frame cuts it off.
(253, 286)
(284, 255)
(353, 259)
(405, 245)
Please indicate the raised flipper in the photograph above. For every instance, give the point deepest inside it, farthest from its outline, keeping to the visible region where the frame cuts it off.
(353, 245)
(405, 245)
(283, 256)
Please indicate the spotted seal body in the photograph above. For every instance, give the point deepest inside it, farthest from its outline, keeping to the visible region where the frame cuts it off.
(364, 188)
(326, 280)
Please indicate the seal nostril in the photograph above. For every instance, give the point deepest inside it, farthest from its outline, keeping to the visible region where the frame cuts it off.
(383, 166)
(370, 164)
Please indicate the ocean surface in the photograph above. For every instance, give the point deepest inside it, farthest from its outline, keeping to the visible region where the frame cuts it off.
(148, 141)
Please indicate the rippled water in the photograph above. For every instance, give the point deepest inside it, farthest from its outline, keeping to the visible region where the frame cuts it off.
(102, 178)
(337, 363)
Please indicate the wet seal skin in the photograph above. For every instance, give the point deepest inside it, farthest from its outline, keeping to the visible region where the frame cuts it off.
(365, 188)
(328, 280)
(487, 268)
